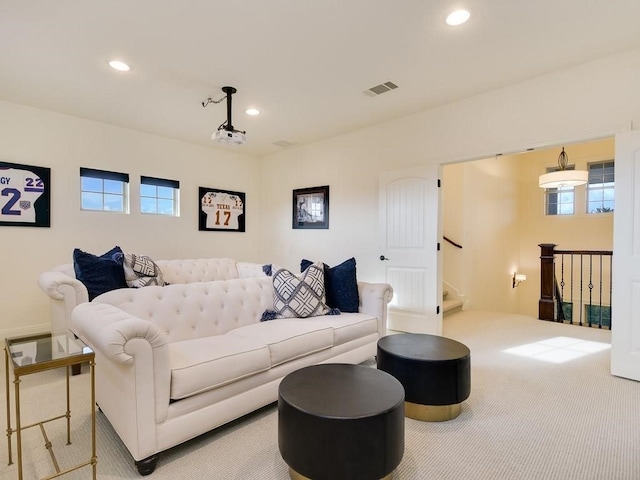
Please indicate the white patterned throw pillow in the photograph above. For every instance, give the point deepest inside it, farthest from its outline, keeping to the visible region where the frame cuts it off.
(300, 296)
(141, 271)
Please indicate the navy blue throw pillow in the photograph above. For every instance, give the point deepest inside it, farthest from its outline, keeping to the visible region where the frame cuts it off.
(99, 274)
(340, 284)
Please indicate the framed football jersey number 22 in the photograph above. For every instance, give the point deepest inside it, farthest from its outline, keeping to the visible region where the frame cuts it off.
(221, 210)
(25, 195)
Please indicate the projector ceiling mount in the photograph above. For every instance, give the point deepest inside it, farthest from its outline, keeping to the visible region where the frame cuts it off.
(225, 132)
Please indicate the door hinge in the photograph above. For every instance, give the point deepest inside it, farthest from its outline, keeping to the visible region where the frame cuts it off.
(439, 184)
(438, 310)
(438, 246)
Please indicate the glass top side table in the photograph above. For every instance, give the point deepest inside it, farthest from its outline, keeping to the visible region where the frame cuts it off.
(37, 353)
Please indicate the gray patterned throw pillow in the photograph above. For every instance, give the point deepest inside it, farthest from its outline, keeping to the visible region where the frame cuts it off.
(300, 296)
(141, 271)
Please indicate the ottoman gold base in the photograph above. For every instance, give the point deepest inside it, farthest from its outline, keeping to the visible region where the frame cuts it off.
(432, 413)
(296, 476)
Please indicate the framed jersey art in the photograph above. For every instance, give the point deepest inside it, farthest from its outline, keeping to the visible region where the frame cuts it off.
(221, 210)
(25, 195)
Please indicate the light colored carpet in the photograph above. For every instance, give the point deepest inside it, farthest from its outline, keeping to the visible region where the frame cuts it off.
(525, 419)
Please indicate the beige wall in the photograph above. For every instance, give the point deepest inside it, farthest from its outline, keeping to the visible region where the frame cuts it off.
(63, 143)
(596, 100)
(481, 210)
(580, 231)
(496, 209)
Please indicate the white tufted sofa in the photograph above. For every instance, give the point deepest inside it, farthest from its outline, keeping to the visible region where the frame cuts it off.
(174, 362)
(65, 291)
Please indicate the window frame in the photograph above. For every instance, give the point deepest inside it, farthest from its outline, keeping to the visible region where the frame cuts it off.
(160, 183)
(104, 190)
(602, 186)
(558, 191)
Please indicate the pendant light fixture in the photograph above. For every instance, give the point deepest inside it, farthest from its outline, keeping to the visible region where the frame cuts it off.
(563, 177)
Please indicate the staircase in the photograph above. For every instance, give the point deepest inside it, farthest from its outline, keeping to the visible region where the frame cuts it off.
(450, 304)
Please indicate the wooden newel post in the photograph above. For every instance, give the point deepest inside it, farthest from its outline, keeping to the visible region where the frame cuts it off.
(546, 305)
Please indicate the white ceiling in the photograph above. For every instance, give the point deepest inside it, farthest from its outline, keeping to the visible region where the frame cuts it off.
(304, 63)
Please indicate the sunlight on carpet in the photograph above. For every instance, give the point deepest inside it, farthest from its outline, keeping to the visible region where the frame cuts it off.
(558, 349)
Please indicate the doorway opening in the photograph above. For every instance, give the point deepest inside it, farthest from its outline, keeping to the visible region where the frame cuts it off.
(496, 211)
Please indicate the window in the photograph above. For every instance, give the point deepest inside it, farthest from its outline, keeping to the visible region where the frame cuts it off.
(103, 190)
(159, 196)
(601, 187)
(560, 201)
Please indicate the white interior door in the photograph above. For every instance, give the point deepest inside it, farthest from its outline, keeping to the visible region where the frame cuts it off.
(409, 232)
(625, 301)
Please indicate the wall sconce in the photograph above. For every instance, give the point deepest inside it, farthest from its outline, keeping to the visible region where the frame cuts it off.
(518, 278)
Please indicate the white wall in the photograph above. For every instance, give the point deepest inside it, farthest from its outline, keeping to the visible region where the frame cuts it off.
(584, 102)
(37, 137)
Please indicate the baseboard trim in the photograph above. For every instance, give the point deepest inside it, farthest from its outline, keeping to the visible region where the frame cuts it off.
(30, 330)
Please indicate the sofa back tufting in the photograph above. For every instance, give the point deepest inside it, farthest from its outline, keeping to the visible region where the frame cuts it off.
(65, 291)
(198, 270)
(194, 310)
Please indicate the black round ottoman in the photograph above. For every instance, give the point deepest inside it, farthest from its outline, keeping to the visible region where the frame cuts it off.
(340, 421)
(434, 371)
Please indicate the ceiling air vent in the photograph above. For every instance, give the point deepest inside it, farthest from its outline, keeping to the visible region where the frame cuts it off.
(380, 89)
(283, 143)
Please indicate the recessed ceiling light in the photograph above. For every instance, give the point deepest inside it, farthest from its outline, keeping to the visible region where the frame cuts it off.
(252, 111)
(120, 66)
(458, 17)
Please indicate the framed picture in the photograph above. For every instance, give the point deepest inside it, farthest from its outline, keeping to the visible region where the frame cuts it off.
(221, 210)
(25, 195)
(311, 207)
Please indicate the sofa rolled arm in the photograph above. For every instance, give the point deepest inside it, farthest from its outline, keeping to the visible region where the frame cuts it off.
(374, 298)
(133, 357)
(110, 330)
(58, 285)
(64, 292)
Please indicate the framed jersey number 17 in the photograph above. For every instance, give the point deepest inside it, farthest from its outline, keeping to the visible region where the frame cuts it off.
(221, 210)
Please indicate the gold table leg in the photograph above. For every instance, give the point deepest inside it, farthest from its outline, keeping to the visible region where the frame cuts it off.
(6, 378)
(94, 458)
(68, 414)
(16, 383)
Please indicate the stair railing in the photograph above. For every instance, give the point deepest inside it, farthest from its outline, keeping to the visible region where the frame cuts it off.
(560, 316)
(583, 293)
(457, 245)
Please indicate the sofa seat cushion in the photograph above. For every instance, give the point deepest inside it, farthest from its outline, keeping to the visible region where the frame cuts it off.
(349, 326)
(287, 338)
(206, 363)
